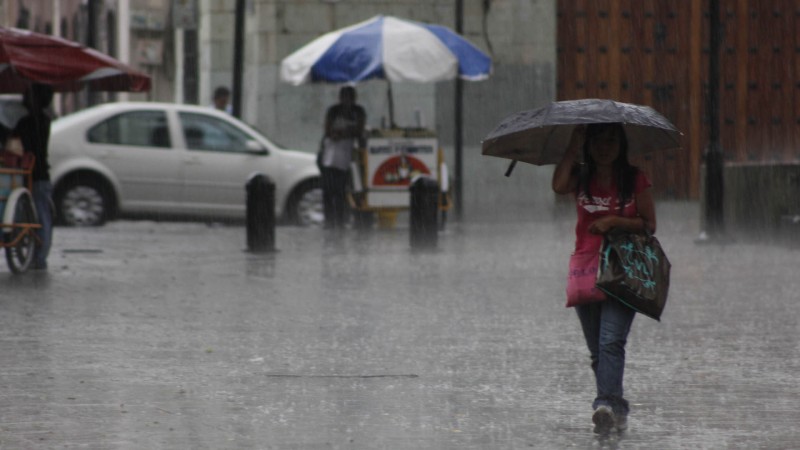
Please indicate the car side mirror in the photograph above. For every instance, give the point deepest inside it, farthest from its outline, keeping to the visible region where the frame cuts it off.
(255, 147)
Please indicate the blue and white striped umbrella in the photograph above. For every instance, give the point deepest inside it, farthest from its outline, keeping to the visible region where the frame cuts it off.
(389, 48)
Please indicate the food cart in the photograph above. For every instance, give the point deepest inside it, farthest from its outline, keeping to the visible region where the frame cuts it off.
(384, 170)
(396, 50)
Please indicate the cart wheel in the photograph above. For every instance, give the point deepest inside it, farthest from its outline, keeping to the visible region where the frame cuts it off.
(20, 255)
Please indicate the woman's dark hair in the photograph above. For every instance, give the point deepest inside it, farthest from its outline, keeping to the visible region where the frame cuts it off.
(624, 172)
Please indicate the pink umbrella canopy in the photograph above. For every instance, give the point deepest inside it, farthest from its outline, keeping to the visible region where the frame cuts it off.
(27, 57)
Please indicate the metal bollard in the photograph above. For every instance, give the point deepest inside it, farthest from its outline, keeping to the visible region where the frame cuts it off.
(423, 213)
(260, 213)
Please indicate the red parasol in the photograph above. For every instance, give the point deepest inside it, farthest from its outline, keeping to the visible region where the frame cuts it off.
(27, 57)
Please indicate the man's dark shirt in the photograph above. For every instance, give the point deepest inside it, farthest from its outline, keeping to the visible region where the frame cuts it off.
(352, 113)
(34, 132)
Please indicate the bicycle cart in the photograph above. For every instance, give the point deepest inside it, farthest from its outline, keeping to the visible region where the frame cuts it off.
(17, 210)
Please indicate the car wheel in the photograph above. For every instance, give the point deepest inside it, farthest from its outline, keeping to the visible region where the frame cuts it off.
(85, 203)
(305, 206)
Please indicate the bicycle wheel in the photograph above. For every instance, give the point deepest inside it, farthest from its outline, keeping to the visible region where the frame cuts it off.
(20, 241)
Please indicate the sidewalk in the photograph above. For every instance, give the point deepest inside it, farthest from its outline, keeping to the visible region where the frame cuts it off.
(151, 335)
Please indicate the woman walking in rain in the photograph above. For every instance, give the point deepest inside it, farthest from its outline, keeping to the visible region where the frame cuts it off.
(610, 194)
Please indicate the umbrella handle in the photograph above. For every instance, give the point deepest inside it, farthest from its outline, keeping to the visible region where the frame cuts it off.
(511, 167)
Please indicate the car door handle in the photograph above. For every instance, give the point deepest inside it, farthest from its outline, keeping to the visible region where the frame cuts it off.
(194, 160)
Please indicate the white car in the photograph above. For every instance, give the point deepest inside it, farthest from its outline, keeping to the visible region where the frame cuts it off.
(163, 159)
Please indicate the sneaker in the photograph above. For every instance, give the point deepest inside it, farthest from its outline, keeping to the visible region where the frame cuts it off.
(603, 419)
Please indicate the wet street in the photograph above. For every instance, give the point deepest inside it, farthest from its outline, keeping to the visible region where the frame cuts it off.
(146, 335)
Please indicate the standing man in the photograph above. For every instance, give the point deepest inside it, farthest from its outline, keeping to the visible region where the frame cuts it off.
(33, 130)
(344, 131)
(222, 99)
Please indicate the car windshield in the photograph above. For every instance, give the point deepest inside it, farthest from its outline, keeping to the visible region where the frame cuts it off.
(261, 132)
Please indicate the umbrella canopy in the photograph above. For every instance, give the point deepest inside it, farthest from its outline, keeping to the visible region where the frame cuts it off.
(389, 48)
(540, 136)
(27, 57)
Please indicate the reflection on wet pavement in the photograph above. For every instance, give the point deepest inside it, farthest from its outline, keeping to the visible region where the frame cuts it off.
(172, 335)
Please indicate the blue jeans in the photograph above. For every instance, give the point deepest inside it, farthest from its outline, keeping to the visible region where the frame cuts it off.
(605, 326)
(42, 193)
